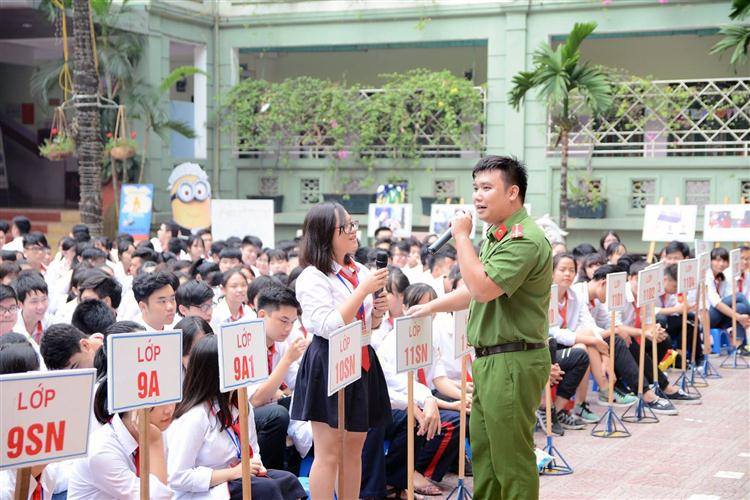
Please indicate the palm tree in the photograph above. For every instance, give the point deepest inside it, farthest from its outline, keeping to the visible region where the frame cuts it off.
(736, 36)
(560, 77)
(88, 141)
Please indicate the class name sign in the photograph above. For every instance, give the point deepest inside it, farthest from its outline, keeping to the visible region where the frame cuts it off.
(413, 343)
(344, 357)
(242, 354)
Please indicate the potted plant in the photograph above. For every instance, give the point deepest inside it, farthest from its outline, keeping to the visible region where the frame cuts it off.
(586, 200)
(120, 148)
(58, 147)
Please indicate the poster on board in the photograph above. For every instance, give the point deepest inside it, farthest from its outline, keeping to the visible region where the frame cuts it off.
(136, 202)
(242, 217)
(441, 215)
(396, 216)
(726, 223)
(669, 222)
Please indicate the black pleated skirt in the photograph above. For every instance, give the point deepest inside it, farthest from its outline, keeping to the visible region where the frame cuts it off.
(366, 401)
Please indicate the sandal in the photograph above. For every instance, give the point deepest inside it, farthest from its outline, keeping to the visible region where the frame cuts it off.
(429, 490)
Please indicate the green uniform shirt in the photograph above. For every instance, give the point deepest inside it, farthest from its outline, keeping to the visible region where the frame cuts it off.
(521, 264)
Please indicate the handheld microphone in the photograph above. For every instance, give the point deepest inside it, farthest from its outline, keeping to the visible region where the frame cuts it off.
(381, 261)
(440, 242)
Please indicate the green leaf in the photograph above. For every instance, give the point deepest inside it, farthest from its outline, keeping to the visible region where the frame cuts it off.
(573, 43)
(736, 39)
(177, 75)
(740, 9)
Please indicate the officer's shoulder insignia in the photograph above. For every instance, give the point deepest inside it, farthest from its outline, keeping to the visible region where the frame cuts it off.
(516, 232)
(500, 232)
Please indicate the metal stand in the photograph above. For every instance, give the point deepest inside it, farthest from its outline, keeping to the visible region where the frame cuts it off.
(734, 355)
(684, 383)
(642, 414)
(709, 370)
(610, 426)
(558, 466)
(460, 491)
(657, 390)
(692, 372)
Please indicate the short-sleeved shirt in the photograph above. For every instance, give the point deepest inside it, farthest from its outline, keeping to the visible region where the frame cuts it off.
(520, 263)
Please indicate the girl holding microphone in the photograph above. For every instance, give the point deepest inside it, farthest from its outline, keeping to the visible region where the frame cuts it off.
(334, 291)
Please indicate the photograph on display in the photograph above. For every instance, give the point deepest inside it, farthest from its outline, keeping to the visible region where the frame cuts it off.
(395, 216)
(669, 222)
(726, 223)
(441, 215)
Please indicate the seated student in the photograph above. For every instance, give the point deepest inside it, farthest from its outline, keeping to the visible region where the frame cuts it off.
(193, 329)
(569, 366)
(67, 347)
(395, 286)
(233, 307)
(279, 309)
(278, 262)
(433, 456)
(9, 272)
(8, 309)
(399, 253)
(112, 468)
(626, 368)
(614, 251)
(631, 330)
(18, 356)
(31, 290)
(719, 295)
(262, 263)
(34, 244)
(588, 265)
(440, 264)
(155, 294)
(93, 316)
(670, 315)
(204, 441)
(743, 284)
(229, 258)
(98, 285)
(195, 298)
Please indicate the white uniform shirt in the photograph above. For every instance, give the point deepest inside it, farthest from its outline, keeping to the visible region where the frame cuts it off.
(577, 317)
(716, 294)
(197, 447)
(16, 244)
(290, 378)
(65, 312)
(320, 295)
(109, 470)
(8, 484)
(221, 314)
(446, 364)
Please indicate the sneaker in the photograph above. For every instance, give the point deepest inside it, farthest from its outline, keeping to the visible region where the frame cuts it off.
(683, 397)
(582, 410)
(541, 418)
(568, 421)
(663, 406)
(620, 400)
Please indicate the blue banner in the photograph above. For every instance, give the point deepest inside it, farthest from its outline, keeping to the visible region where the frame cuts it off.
(136, 207)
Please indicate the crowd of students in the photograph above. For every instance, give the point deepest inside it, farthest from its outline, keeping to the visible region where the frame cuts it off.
(57, 307)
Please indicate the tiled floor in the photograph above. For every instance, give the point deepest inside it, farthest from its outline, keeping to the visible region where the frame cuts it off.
(702, 453)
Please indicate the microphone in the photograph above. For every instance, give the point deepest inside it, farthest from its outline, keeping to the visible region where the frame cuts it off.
(381, 261)
(440, 242)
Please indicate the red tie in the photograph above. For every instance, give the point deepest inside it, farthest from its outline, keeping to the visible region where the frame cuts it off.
(469, 361)
(37, 336)
(271, 352)
(240, 314)
(137, 459)
(236, 430)
(421, 378)
(637, 323)
(37, 495)
(303, 330)
(354, 281)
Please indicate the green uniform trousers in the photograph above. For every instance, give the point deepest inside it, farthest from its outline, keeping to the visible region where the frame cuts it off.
(507, 388)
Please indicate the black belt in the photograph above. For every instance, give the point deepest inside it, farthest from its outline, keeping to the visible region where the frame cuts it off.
(509, 347)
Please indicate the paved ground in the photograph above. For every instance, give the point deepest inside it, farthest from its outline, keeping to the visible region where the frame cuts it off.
(701, 454)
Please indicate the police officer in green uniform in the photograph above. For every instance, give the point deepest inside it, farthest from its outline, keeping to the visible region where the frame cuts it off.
(507, 291)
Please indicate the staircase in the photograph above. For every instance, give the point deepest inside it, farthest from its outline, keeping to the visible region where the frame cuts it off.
(54, 223)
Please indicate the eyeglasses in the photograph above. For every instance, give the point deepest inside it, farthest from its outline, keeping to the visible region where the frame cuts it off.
(166, 300)
(8, 310)
(208, 306)
(349, 228)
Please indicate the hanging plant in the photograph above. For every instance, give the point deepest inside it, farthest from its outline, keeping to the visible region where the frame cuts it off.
(119, 145)
(60, 144)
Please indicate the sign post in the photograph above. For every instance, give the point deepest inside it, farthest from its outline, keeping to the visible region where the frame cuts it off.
(242, 356)
(414, 352)
(704, 268)
(461, 350)
(735, 264)
(144, 369)
(41, 420)
(344, 367)
(612, 425)
(687, 281)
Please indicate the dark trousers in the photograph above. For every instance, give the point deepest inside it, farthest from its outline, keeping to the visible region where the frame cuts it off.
(279, 485)
(574, 362)
(626, 368)
(271, 424)
(718, 320)
(440, 453)
(648, 368)
(373, 483)
(673, 326)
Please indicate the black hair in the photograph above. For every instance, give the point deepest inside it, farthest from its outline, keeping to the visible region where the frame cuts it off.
(22, 223)
(592, 259)
(100, 362)
(678, 246)
(446, 252)
(636, 267)
(145, 254)
(192, 239)
(414, 293)
(104, 241)
(29, 281)
(362, 255)
(397, 281)
(294, 274)
(625, 261)
(67, 243)
(403, 245)
(8, 255)
(91, 254)
(8, 268)
(174, 229)
(230, 253)
(254, 241)
(93, 316)
(557, 258)
(604, 237)
(193, 293)
(233, 241)
(274, 297)
(4, 226)
(35, 238)
(7, 292)
(144, 285)
(175, 245)
(720, 253)
(614, 248)
(205, 268)
(59, 343)
(320, 225)
(513, 170)
(17, 356)
(671, 271)
(218, 246)
(277, 253)
(380, 230)
(103, 285)
(191, 327)
(13, 338)
(123, 245)
(201, 383)
(260, 283)
(603, 271)
(228, 275)
(582, 250)
(80, 232)
(454, 276)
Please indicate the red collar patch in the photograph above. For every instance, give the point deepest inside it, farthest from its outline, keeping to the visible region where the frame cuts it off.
(516, 232)
(500, 232)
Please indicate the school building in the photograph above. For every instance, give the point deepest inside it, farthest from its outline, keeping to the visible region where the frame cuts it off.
(697, 153)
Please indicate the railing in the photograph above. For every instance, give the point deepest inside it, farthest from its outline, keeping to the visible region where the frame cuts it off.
(430, 133)
(708, 117)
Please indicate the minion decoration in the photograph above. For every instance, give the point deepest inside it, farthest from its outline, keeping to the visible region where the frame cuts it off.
(190, 195)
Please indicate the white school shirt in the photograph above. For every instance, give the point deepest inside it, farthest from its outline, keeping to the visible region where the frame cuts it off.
(8, 484)
(221, 314)
(398, 382)
(290, 378)
(602, 317)
(713, 295)
(378, 335)
(744, 282)
(16, 244)
(320, 295)
(128, 310)
(446, 364)
(65, 312)
(197, 447)
(109, 469)
(577, 316)
(628, 314)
